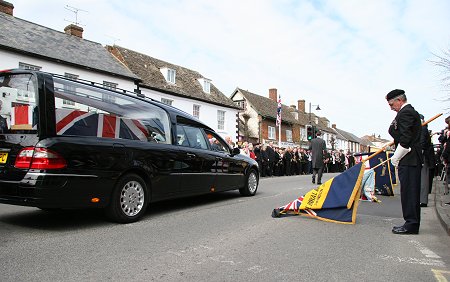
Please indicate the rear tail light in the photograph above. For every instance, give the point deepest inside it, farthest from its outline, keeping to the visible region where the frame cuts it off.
(39, 158)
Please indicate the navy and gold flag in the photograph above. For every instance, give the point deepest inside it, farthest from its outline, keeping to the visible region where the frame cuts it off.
(336, 200)
(385, 177)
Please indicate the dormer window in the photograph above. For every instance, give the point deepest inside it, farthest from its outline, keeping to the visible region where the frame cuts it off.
(316, 120)
(169, 74)
(295, 115)
(206, 84)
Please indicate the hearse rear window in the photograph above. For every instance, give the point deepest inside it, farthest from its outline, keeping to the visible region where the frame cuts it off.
(85, 110)
(18, 111)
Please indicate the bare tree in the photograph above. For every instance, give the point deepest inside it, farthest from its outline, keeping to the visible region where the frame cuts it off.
(443, 62)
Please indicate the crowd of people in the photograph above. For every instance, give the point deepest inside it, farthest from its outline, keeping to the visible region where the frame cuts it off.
(275, 161)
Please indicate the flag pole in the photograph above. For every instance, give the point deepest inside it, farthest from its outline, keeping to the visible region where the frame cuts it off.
(392, 142)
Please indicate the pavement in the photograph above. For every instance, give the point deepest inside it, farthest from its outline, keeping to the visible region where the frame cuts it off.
(441, 197)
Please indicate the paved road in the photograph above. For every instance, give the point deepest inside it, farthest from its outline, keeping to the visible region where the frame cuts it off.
(222, 237)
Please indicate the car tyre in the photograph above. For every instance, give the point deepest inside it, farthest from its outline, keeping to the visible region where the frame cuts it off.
(251, 184)
(129, 199)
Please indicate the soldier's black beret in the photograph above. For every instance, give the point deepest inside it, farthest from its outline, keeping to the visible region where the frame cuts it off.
(394, 93)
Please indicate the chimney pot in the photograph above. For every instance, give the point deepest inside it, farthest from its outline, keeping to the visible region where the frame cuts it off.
(273, 94)
(74, 30)
(333, 125)
(6, 7)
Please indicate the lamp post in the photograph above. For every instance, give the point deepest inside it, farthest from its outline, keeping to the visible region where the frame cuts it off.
(317, 109)
(310, 131)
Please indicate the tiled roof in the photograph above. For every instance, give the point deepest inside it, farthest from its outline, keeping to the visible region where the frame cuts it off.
(267, 107)
(349, 136)
(186, 81)
(35, 40)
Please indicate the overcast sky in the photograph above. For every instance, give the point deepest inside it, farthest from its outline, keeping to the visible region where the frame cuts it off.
(344, 55)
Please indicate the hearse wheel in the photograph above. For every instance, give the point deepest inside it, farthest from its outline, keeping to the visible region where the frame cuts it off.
(129, 199)
(251, 185)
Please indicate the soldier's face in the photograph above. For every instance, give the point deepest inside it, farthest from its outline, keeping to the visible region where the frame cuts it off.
(395, 104)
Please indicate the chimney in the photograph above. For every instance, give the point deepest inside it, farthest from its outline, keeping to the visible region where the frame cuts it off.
(74, 30)
(333, 125)
(301, 105)
(6, 7)
(273, 94)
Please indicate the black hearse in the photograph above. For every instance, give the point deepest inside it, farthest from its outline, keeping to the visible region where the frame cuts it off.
(72, 144)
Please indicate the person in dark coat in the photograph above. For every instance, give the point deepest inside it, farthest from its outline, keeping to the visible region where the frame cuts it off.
(257, 151)
(318, 148)
(406, 131)
(264, 160)
(287, 159)
(425, 142)
(272, 157)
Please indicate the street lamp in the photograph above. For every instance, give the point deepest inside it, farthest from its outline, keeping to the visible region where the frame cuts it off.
(317, 109)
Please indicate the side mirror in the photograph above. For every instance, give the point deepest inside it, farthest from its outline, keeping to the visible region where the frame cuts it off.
(236, 151)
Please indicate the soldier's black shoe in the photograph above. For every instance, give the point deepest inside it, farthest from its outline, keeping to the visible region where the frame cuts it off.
(403, 231)
(313, 180)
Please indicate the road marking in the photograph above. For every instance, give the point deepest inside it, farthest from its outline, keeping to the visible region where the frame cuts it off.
(439, 275)
(424, 250)
(427, 261)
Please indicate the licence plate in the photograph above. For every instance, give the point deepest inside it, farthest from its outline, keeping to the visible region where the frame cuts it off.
(3, 157)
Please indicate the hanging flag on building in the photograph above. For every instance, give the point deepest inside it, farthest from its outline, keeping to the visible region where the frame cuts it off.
(279, 111)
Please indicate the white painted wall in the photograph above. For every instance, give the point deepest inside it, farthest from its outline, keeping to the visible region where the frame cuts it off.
(253, 122)
(208, 112)
(10, 60)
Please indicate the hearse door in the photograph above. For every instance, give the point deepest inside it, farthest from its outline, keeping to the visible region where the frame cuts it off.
(195, 161)
(229, 169)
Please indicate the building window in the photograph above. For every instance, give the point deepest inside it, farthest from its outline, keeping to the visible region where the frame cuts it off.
(69, 89)
(240, 104)
(171, 75)
(196, 111)
(109, 98)
(25, 66)
(220, 120)
(206, 84)
(166, 101)
(271, 133)
(289, 135)
(110, 85)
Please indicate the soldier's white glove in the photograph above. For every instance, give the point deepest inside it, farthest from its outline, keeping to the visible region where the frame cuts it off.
(399, 153)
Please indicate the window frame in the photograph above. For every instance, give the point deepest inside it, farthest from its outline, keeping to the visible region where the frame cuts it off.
(271, 132)
(220, 120)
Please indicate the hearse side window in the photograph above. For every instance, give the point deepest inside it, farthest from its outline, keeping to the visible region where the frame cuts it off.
(216, 143)
(18, 110)
(122, 117)
(189, 136)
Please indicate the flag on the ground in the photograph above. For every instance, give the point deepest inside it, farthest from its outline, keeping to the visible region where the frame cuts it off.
(76, 122)
(385, 177)
(279, 111)
(336, 200)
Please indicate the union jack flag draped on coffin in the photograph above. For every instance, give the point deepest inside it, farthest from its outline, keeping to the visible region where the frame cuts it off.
(76, 122)
(335, 200)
